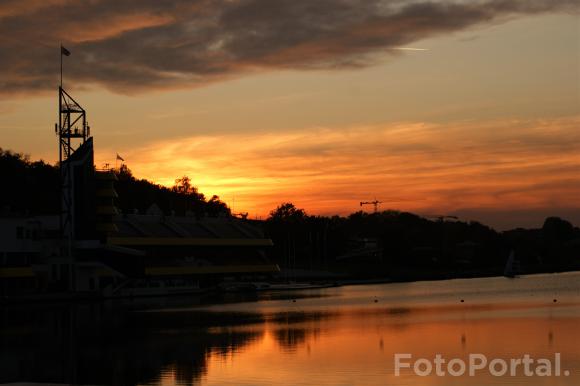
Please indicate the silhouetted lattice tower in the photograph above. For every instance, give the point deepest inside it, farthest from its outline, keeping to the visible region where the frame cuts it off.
(73, 132)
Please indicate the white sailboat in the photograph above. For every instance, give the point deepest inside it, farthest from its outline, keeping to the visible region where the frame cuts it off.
(512, 267)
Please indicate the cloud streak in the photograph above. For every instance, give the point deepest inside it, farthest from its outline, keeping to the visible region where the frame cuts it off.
(130, 46)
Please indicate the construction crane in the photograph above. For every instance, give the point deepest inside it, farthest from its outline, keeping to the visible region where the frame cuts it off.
(375, 203)
(441, 217)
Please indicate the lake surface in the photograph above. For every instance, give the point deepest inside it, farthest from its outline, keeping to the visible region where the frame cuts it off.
(334, 336)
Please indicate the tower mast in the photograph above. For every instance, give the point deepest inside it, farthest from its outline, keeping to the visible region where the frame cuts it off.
(72, 131)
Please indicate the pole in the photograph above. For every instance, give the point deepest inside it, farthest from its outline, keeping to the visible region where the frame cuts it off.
(61, 65)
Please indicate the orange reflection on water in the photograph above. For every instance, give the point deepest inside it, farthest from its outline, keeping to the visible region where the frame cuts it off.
(354, 348)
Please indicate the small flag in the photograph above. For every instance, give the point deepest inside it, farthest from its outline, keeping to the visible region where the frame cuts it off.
(119, 157)
(64, 51)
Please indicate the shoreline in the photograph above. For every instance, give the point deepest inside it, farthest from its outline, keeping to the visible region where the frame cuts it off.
(64, 298)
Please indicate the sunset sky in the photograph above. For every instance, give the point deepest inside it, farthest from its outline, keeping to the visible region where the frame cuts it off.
(464, 107)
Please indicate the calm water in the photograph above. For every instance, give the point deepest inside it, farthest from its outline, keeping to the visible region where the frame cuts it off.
(335, 336)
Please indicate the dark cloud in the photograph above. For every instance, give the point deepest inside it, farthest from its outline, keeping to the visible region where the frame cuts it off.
(130, 45)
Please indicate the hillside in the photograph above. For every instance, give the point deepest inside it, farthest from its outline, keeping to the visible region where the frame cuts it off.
(32, 188)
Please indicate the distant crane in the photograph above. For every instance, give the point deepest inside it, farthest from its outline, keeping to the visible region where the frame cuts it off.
(444, 231)
(375, 203)
(441, 217)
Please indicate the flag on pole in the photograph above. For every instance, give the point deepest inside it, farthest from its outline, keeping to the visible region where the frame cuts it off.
(64, 51)
(119, 157)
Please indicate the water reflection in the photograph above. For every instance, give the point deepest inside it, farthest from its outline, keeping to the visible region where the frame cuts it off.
(326, 337)
(94, 344)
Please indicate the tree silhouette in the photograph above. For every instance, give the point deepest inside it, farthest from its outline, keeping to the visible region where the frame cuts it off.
(287, 212)
(183, 185)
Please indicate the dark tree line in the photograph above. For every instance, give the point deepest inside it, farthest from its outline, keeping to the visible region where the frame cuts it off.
(406, 246)
(33, 188)
(28, 187)
(181, 199)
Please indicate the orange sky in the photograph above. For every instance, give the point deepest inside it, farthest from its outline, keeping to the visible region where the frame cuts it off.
(482, 165)
(314, 103)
